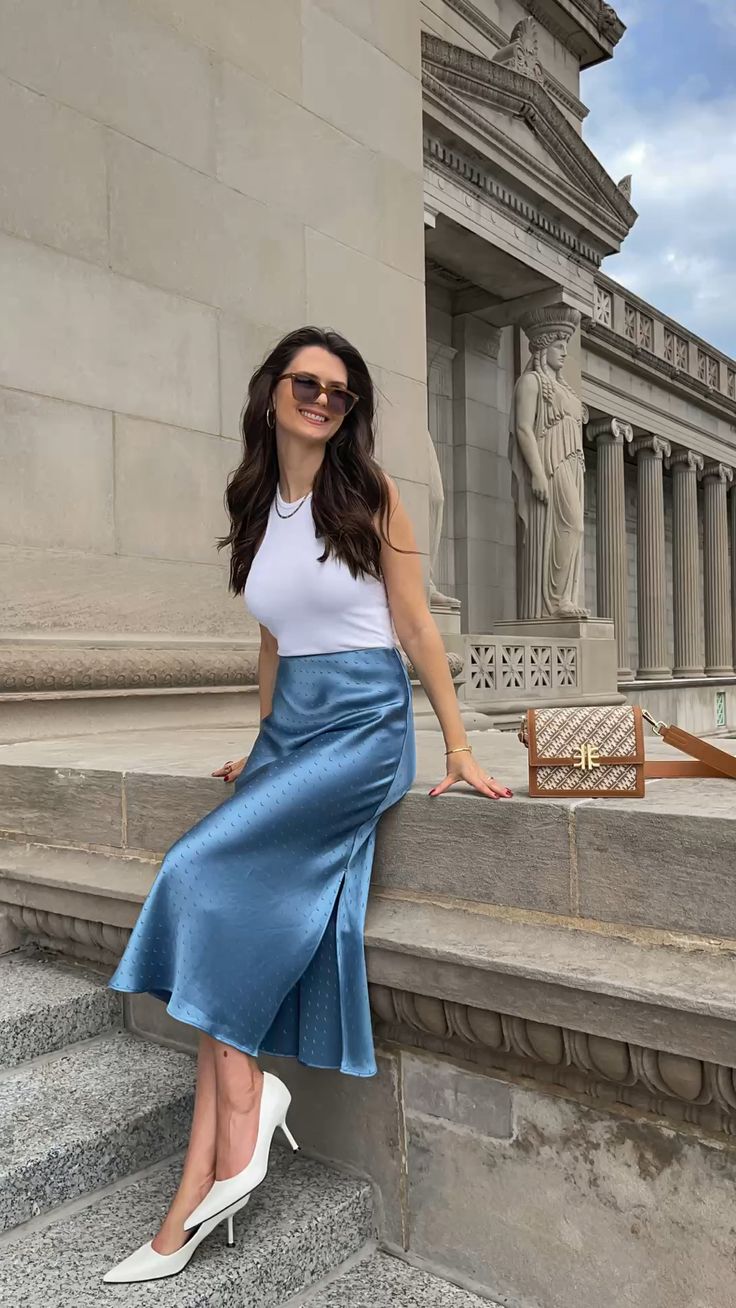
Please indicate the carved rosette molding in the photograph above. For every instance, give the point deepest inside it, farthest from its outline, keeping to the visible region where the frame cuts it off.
(45, 667)
(602, 1070)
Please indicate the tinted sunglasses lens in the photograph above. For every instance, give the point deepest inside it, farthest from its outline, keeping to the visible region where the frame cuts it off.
(307, 390)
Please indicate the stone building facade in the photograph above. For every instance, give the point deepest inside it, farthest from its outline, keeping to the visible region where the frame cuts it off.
(554, 1117)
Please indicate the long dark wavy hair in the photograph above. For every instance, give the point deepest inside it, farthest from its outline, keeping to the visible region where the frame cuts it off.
(348, 489)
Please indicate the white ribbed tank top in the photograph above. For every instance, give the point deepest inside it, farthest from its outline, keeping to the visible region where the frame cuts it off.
(312, 607)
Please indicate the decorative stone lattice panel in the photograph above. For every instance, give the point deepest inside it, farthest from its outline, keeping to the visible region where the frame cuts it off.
(638, 327)
(525, 668)
(603, 306)
(675, 349)
(731, 384)
(708, 369)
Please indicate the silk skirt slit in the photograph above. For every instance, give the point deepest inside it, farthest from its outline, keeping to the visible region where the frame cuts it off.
(253, 929)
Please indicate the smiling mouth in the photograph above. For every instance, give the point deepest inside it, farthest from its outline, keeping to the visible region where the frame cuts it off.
(318, 419)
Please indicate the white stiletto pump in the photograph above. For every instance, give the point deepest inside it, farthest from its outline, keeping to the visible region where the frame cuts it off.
(146, 1264)
(275, 1100)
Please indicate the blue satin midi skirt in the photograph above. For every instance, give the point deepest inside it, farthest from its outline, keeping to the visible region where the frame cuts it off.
(253, 929)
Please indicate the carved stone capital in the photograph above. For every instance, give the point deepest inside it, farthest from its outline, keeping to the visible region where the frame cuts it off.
(717, 472)
(614, 431)
(548, 323)
(685, 461)
(655, 446)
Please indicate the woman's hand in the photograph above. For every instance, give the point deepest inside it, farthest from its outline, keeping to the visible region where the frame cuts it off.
(230, 770)
(463, 767)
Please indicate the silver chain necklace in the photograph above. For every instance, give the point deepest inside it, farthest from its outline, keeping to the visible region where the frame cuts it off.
(296, 510)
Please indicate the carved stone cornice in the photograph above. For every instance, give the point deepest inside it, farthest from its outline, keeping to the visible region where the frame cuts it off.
(603, 1071)
(45, 666)
(471, 75)
(447, 159)
(602, 17)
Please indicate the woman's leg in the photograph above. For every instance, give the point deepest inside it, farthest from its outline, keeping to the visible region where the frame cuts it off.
(239, 1083)
(198, 1172)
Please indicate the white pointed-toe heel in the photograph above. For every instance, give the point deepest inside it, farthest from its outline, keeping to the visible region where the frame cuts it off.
(275, 1101)
(146, 1264)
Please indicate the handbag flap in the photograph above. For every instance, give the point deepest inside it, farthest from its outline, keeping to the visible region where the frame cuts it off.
(584, 737)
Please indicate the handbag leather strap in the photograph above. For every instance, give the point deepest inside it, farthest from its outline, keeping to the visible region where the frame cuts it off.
(706, 760)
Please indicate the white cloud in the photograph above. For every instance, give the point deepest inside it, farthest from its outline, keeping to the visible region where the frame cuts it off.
(681, 253)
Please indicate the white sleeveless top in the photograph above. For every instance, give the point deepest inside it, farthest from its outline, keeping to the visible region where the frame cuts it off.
(312, 607)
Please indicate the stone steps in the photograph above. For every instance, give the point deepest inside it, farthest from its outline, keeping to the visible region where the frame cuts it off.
(299, 1225)
(76, 1119)
(93, 1122)
(382, 1281)
(45, 1005)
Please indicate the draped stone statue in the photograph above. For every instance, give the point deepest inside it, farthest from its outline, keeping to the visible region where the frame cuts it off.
(548, 467)
(437, 600)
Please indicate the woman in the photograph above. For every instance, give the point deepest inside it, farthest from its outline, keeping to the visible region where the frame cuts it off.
(253, 929)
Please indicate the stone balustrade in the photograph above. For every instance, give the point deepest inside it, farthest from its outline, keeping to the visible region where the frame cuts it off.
(681, 353)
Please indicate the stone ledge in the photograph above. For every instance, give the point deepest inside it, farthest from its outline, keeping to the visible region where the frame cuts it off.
(629, 863)
(674, 1000)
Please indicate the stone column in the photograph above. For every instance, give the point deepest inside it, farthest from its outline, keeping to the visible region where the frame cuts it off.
(686, 465)
(650, 558)
(718, 629)
(609, 436)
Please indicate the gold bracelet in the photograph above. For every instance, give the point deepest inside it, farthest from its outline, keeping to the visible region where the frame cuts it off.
(458, 749)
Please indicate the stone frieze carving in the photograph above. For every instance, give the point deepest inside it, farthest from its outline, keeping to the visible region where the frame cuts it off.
(602, 1070)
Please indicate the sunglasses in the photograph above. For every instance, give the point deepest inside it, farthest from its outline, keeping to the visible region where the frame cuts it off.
(306, 389)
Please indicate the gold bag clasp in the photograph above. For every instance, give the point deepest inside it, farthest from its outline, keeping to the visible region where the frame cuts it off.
(589, 758)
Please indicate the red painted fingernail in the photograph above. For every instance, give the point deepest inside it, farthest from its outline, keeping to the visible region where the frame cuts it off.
(430, 792)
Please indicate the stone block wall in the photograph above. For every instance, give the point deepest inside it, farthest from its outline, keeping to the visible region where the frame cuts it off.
(182, 183)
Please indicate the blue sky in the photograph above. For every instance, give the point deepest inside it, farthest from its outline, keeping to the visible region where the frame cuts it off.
(664, 109)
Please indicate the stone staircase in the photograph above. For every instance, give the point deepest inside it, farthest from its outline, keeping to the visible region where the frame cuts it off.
(93, 1122)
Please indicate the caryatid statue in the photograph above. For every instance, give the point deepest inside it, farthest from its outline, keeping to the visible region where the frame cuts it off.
(548, 467)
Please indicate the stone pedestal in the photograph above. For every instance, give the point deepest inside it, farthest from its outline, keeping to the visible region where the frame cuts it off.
(650, 565)
(718, 633)
(686, 465)
(547, 662)
(609, 436)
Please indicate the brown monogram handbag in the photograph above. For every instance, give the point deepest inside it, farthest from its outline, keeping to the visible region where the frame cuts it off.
(598, 753)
